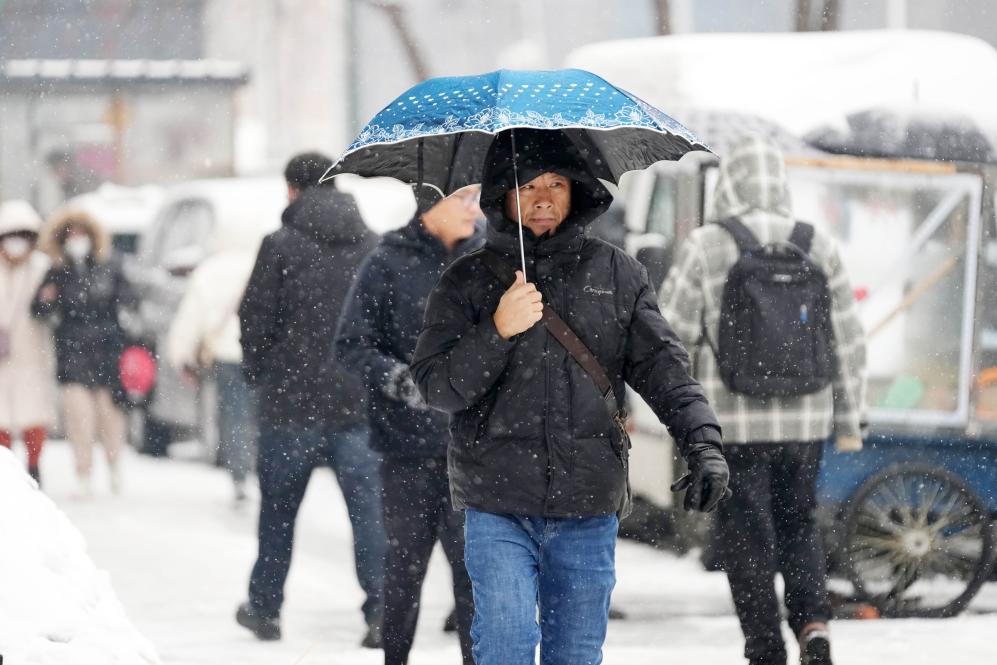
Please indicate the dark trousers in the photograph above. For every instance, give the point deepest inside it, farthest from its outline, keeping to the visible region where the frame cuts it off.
(417, 513)
(769, 527)
(288, 455)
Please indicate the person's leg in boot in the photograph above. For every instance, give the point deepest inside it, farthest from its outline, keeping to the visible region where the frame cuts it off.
(80, 421)
(577, 574)
(502, 555)
(34, 441)
(111, 432)
(411, 514)
(287, 457)
(747, 538)
(452, 539)
(358, 470)
(800, 549)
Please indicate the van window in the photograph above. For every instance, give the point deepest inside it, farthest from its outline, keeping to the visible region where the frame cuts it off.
(661, 209)
(186, 224)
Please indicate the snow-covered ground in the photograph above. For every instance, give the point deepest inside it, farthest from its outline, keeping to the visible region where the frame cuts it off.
(178, 555)
(55, 605)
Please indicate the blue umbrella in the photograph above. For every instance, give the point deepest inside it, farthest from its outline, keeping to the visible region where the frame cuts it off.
(437, 133)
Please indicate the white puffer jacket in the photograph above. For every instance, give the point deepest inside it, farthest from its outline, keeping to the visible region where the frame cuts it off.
(27, 373)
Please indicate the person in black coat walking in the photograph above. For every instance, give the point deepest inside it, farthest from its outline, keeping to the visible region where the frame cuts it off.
(537, 461)
(377, 335)
(83, 297)
(311, 411)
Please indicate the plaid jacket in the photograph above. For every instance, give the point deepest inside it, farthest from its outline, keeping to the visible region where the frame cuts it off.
(752, 187)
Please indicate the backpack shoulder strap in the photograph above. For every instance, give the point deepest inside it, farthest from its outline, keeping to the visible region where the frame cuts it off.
(802, 236)
(745, 239)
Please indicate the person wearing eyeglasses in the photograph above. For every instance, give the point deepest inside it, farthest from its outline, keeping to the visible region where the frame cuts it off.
(376, 339)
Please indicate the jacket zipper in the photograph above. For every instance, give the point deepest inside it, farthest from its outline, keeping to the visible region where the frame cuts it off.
(550, 451)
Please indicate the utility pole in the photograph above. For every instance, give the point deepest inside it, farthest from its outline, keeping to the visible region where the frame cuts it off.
(826, 17)
(664, 15)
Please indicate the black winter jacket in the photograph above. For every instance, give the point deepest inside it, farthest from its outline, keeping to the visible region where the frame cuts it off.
(289, 313)
(88, 336)
(378, 332)
(531, 433)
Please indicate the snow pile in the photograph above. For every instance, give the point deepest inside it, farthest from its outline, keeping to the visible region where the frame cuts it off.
(55, 606)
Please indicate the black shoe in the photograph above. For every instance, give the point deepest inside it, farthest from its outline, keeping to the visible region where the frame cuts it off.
(450, 624)
(262, 627)
(374, 639)
(815, 648)
(34, 473)
(616, 615)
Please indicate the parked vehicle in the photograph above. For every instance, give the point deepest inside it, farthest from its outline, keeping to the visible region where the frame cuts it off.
(124, 211)
(178, 239)
(910, 519)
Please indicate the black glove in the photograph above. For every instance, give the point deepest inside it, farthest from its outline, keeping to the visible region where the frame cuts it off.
(705, 484)
(400, 387)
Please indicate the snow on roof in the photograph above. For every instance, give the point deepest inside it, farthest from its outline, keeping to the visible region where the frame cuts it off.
(803, 80)
(124, 71)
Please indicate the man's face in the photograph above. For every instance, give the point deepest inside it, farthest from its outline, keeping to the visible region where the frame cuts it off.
(545, 202)
(452, 218)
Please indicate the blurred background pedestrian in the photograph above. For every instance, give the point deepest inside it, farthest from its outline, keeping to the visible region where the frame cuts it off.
(312, 411)
(27, 383)
(203, 343)
(376, 339)
(82, 297)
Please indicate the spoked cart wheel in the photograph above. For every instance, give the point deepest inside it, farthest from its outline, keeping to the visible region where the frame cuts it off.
(918, 542)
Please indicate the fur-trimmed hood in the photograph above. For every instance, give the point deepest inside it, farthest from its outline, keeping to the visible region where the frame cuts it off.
(53, 234)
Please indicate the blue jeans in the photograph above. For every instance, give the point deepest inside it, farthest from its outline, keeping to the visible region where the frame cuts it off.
(287, 456)
(236, 420)
(565, 568)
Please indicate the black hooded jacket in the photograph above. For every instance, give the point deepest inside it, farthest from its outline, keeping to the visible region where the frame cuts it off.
(531, 433)
(380, 326)
(292, 304)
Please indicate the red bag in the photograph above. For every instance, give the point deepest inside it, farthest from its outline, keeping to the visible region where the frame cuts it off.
(137, 371)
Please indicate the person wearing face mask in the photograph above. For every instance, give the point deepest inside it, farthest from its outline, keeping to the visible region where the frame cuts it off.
(81, 297)
(27, 388)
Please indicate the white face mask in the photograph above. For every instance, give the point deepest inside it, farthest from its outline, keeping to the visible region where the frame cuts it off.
(78, 247)
(16, 247)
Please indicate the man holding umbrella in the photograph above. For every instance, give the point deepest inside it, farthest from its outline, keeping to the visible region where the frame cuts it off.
(539, 455)
(538, 461)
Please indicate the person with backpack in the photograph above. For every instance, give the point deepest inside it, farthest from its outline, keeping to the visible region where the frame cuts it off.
(532, 370)
(766, 308)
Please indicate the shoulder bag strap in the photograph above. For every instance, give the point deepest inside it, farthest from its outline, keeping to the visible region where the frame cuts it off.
(563, 333)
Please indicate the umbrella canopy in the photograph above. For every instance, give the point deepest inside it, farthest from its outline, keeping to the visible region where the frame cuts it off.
(438, 132)
(902, 133)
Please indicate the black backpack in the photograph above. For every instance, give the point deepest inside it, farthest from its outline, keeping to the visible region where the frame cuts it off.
(776, 337)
